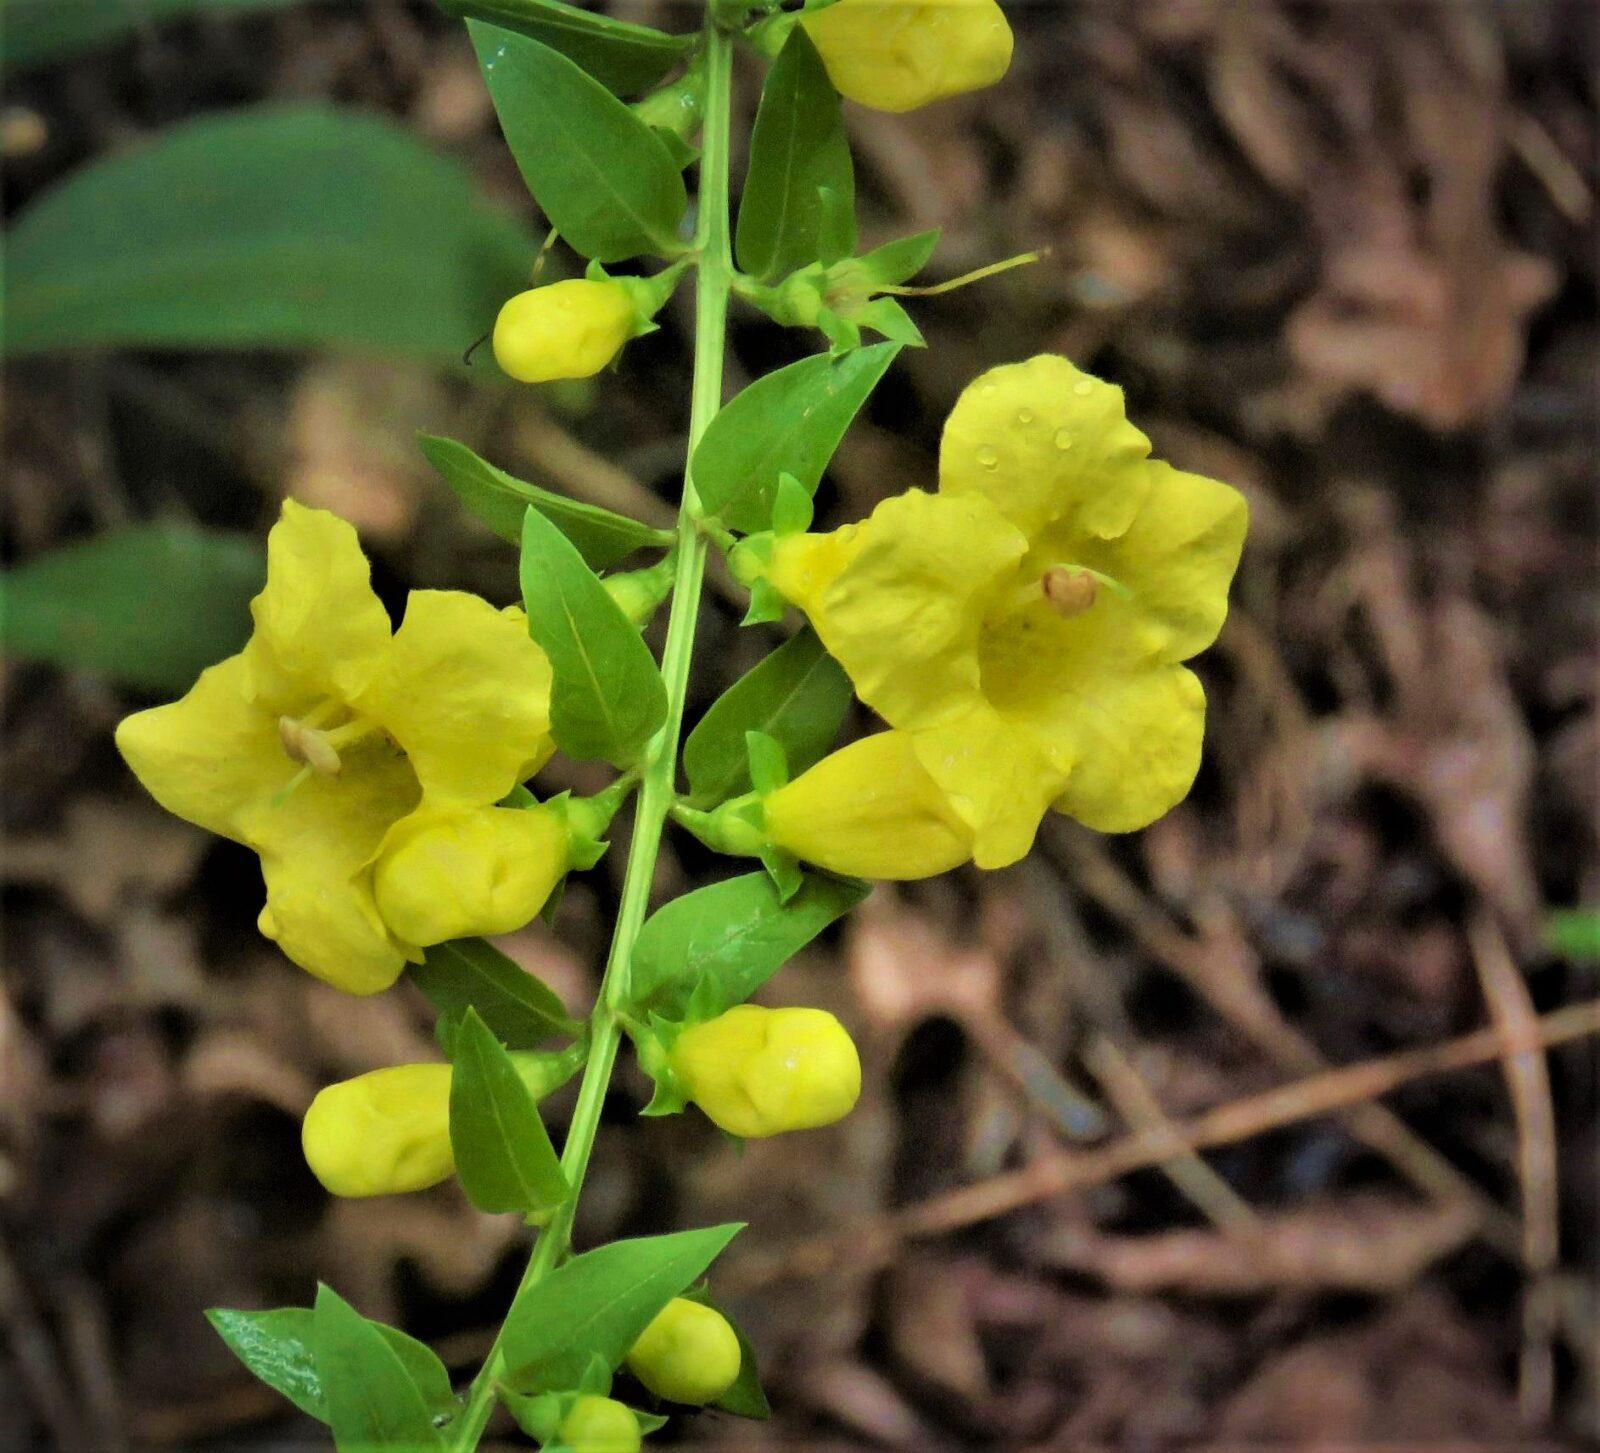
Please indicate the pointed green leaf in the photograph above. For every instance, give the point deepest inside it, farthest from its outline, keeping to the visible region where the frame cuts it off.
(500, 500)
(602, 176)
(797, 695)
(624, 57)
(373, 1399)
(522, 1011)
(275, 227)
(599, 1303)
(886, 316)
(607, 699)
(504, 1158)
(901, 260)
(39, 31)
(727, 940)
(798, 153)
(790, 421)
(151, 605)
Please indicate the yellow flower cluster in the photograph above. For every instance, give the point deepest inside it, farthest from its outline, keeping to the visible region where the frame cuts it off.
(364, 763)
(1022, 631)
(896, 55)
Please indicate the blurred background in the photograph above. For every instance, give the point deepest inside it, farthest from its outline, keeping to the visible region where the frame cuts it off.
(1341, 255)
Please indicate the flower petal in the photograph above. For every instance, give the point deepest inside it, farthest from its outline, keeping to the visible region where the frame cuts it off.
(209, 756)
(328, 925)
(320, 630)
(1177, 557)
(466, 693)
(902, 611)
(1045, 441)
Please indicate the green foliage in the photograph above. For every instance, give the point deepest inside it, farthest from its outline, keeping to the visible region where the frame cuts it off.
(279, 1347)
(798, 696)
(603, 177)
(500, 500)
(790, 422)
(801, 184)
(38, 32)
(901, 260)
(279, 227)
(375, 1398)
(714, 947)
(597, 1304)
(468, 973)
(151, 606)
(504, 1158)
(623, 57)
(1574, 933)
(607, 699)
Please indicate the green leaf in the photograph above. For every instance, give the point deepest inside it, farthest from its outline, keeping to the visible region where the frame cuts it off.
(151, 606)
(745, 1398)
(504, 1158)
(277, 1346)
(623, 57)
(790, 421)
(468, 973)
(373, 1397)
(599, 1303)
(901, 260)
(720, 944)
(278, 227)
(607, 699)
(602, 176)
(500, 500)
(39, 31)
(1574, 933)
(798, 695)
(798, 152)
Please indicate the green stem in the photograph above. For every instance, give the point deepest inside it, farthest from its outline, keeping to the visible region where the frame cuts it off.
(714, 278)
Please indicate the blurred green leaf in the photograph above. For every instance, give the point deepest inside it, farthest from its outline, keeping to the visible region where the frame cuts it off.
(598, 1303)
(607, 699)
(151, 606)
(1574, 932)
(466, 973)
(799, 157)
(625, 58)
(718, 945)
(373, 1395)
(500, 500)
(798, 696)
(602, 176)
(504, 1158)
(788, 422)
(281, 227)
(39, 31)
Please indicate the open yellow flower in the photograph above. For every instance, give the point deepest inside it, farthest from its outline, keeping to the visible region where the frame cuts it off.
(1026, 625)
(330, 728)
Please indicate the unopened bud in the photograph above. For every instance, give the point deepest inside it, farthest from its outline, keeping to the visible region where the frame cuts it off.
(688, 1354)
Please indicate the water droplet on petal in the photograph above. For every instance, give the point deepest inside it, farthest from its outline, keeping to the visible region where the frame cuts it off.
(1083, 388)
(1063, 439)
(1024, 417)
(987, 457)
(985, 390)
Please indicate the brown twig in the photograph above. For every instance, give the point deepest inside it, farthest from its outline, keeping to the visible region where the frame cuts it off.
(1053, 1175)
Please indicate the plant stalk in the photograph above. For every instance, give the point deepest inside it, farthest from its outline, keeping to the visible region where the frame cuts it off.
(713, 281)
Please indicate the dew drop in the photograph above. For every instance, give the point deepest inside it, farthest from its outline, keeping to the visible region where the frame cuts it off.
(987, 457)
(1024, 417)
(985, 390)
(1083, 388)
(1063, 439)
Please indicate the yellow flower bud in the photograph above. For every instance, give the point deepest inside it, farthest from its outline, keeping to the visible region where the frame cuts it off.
(445, 874)
(688, 1354)
(569, 329)
(758, 1072)
(896, 55)
(381, 1132)
(870, 810)
(599, 1425)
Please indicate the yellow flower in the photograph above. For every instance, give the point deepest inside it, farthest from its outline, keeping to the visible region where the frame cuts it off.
(383, 1132)
(896, 55)
(1026, 625)
(688, 1354)
(569, 329)
(329, 729)
(870, 810)
(599, 1425)
(758, 1072)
